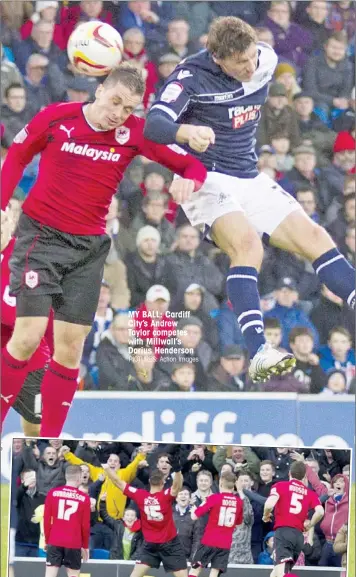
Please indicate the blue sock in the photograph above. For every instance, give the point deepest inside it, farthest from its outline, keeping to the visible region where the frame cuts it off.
(337, 274)
(243, 294)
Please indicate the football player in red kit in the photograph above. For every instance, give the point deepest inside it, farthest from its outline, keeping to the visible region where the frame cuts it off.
(161, 542)
(61, 243)
(225, 512)
(28, 402)
(67, 525)
(291, 502)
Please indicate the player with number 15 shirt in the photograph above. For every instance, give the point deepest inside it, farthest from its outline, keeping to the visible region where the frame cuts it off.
(67, 523)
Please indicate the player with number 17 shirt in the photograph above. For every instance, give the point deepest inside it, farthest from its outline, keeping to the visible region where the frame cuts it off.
(225, 513)
(67, 525)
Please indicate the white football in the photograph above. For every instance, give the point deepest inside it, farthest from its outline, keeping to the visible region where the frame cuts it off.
(95, 48)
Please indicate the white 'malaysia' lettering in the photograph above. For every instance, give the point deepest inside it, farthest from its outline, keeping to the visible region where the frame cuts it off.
(93, 153)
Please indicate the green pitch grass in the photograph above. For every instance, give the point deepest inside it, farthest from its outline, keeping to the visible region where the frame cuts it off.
(4, 527)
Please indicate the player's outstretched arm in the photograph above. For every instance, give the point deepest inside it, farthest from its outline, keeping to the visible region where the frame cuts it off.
(177, 483)
(114, 478)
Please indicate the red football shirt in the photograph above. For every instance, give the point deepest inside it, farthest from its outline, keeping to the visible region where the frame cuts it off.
(8, 315)
(80, 167)
(67, 518)
(225, 512)
(156, 514)
(294, 503)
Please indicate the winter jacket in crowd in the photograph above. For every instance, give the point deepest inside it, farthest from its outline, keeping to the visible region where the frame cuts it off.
(327, 315)
(324, 83)
(47, 476)
(340, 544)
(27, 501)
(240, 551)
(289, 318)
(122, 536)
(281, 462)
(187, 530)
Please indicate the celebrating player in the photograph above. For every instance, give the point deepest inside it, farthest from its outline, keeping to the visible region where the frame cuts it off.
(161, 543)
(211, 104)
(28, 402)
(225, 512)
(67, 525)
(61, 244)
(291, 501)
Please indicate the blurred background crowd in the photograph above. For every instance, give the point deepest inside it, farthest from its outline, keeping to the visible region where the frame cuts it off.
(157, 262)
(115, 524)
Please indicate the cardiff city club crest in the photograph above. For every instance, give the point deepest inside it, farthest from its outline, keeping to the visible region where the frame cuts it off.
(122, 134)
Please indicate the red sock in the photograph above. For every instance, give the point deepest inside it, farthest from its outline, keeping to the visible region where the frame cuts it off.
(13, 374)
(58, 388)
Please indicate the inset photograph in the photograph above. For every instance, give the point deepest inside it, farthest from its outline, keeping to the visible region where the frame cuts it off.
(120, 509)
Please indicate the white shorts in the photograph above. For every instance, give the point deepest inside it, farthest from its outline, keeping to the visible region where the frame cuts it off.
(264, 203)
(12, 546)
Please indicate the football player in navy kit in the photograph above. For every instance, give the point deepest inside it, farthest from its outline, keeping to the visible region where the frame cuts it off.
(211, 105)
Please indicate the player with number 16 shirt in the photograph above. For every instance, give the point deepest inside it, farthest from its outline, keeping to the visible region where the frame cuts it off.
(225, 512)
(67, 525)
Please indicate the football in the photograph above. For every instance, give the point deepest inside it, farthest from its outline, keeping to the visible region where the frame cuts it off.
(95, 48)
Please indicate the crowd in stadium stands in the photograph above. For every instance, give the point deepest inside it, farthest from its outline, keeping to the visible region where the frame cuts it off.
(158, 263)
(39, 466)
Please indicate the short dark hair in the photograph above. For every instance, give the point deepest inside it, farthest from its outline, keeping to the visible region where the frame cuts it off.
(339, 36)
(299, 332)
(244, 472)
(73, 471)
(342, 331)
(298, 470)
(268, 462)
(166, 455)
(129, 76)
(228, 479)
(228, 35)
(272, 323)
(156, 478)
(13, 86)
(305, 188)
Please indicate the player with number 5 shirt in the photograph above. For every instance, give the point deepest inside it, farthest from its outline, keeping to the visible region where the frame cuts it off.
(291, 502)
(225, 512)
(67, 525)
(161, 542)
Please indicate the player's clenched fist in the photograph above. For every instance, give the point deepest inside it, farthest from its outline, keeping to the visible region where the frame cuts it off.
(199, 138)
(181, 190)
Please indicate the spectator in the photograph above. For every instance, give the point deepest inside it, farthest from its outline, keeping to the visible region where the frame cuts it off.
(85, 480)
(10, 74)
(328, 76)
(194, 302)
(178, 38)
(345, 122)
(166, 64)
(156, 179)
(81, 89)
(316, 14)
(186, 527)
(198, 459)
(189, 266)
(228, 327)
(342, 16)
(348, 245)
(343, 163)
(39, 95)
(83, 11)
(15, 14)
(45, 11)
(292, 42)
(115, 499)
(113, 359)
(27, 499)
(267, 474)
(281, 147)
(349, 187)
(15, 111)
(102, 320)
(331, 312)
(154, 207)
(183, 377)
(273, 332)
(240, 552)
(280, 459)
(340, 544)
(287, 311)
(306, 196)
(336, 383)
(338, 353)
(264, 34)
(127, 535)
(345, 219)
(135, 53)
(147, 377)
(307, 368)
(146, 267)
(229, 374)
(278, 118)
(49, 468)
(151, 319)
(199, 15)
(40, 42)
(241, 459)
(286, 74)
(265, 558)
